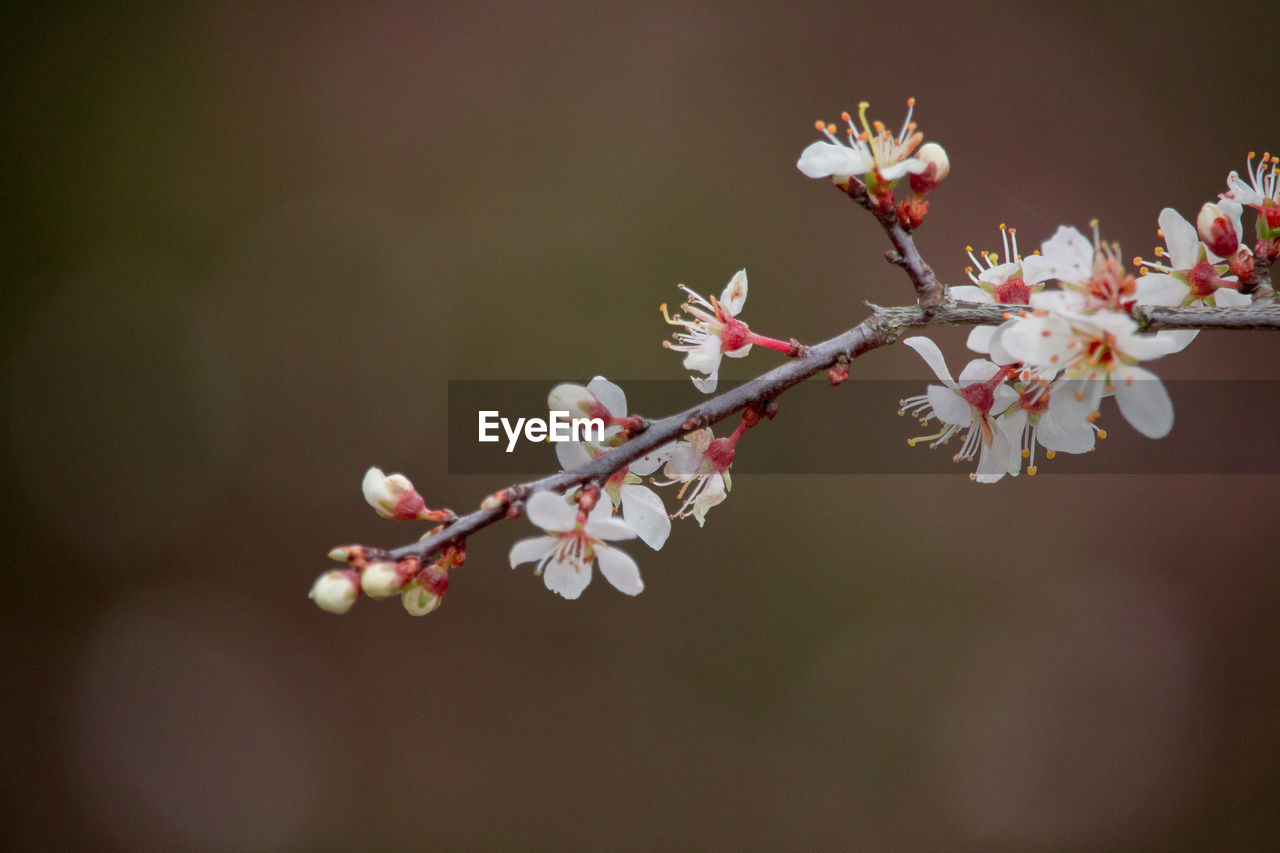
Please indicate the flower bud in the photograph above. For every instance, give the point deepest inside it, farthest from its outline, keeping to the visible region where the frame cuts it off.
(1217, 231)
(939, 166)
(393, 496)
(574, 399)
(425, 592)
(336, 591)
(383, 579)
(353, 554)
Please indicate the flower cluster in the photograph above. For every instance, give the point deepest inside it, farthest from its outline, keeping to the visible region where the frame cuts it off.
(578, 525)
(1050, 365)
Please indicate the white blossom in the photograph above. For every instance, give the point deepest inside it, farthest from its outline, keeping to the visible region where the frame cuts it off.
(574, 542)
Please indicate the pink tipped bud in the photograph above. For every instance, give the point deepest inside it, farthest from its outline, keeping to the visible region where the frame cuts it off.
(384, 579)
(1218, 231)
(336, 591)
(393, 496)
(426, 591)
(938, 167)
(494, 500)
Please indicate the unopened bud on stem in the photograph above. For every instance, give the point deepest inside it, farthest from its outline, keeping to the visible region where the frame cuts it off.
(1217, 231)
(336, 591)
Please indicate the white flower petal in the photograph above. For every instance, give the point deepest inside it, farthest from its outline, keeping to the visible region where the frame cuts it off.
(1000, 273)
(932, 356)
(708, 385)
(735, 293)
(1058, 301)
(1037, 341)
(1071, 401)
(1225, 297)
(1181, 238)
(740, 352)
(653, 460)
(619, 569)
(644, 511)
(1144, 402)
(551, 512)
(970, 293)
(1064, 436)
(1176, 340)
(567, 576)
(532, 550)
(712, 495)
(996, 460)
(980, 338)
(1067, 256)
(910, 165)
(977, 370)
(609, 395)
(572, 454)
(705, 358)
(1160, 289)
(995, 344)
(1241, 192)
(949, 407)
(826, 159)
(609, 528)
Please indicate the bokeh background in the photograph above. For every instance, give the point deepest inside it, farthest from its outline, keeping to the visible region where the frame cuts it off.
(246, 247)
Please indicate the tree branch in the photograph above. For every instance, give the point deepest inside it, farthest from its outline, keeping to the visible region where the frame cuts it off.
(883, 327)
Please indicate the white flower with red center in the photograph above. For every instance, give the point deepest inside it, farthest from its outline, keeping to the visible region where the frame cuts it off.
(640, 506)
(714, 330)
(999, 282)
(1037, 424)
(1262, 193)
(701, 461)
(1188, 275)
(871, 150)
(574, 542)
(1097, 355)
(1090, 273)
(970, 406)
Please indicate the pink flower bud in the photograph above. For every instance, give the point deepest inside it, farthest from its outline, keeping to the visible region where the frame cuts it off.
(384, 579)
(938, 166)
(336, 591)
(393, 496)
(1217, 231)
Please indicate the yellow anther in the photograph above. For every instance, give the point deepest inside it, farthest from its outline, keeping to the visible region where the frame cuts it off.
(663, 309)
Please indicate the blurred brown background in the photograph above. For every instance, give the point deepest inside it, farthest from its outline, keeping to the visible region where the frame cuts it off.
(247, 245)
